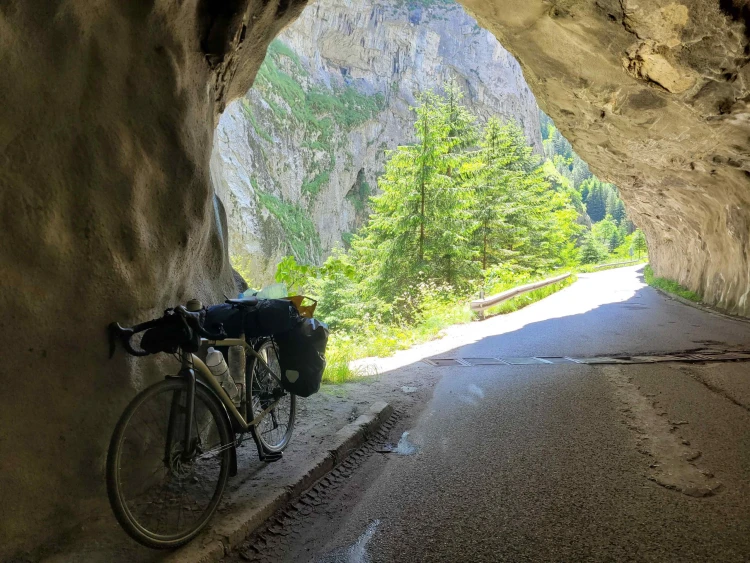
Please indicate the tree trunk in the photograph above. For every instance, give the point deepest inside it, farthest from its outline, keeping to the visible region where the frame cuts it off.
(484, 248)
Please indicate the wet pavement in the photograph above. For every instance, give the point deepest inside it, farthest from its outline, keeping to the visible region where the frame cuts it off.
(561, 462)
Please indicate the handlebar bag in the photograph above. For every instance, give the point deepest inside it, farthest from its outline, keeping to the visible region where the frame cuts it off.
(302, 357)
(268, 318)
(167, 336)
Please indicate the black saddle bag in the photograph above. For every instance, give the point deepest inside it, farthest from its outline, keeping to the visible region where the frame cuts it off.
(168, 336)
(270, 317)
(302, 357)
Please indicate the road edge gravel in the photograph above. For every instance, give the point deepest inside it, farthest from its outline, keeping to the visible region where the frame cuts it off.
(229, 530)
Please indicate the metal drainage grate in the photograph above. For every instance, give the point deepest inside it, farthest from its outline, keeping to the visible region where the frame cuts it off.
(485, 362)
(702, 356)
(524, 361)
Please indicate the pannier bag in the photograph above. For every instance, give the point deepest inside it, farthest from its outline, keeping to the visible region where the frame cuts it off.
(302, 357)
(268, 318)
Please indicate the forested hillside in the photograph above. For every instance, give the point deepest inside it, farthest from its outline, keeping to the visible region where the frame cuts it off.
(466, 208)
(609, 233)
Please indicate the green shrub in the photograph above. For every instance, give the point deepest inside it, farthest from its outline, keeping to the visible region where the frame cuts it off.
(669, 286)
(302, 236)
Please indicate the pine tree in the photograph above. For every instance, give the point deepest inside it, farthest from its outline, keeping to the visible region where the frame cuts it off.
(618, 212)
(579, 171)
(592, 251)
(639, 242)
(420, 226)
(595, 201)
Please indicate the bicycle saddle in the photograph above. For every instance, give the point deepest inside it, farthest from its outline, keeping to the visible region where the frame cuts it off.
(244, 302)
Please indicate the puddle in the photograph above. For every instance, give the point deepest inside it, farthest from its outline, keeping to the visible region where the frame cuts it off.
(408, 389)
(475, 390)
(356, 552)
(402, 448)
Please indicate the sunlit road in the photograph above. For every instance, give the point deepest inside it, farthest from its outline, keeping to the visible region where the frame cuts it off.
(561, 462)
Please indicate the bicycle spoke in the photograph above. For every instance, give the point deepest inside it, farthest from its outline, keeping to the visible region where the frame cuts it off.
(165, 493)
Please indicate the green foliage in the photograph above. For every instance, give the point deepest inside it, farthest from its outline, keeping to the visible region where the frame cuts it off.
(278, 48)
(359, 195)
(302, 237)
(318, 110)
(461, 200)
(639, 242)
(313, 186)
(669, 286)
(592, 251)
(296, 276)
(247, 110)
(242, 264)
(607, 233)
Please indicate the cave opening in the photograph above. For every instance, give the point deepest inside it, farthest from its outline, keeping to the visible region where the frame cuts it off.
(109, 213)
(330, 121)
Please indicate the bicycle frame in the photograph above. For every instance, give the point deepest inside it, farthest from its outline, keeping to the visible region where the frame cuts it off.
(207, 377)
(193, 369)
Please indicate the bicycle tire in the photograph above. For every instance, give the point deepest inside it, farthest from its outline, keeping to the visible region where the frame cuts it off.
(260, 383)
(134, 525)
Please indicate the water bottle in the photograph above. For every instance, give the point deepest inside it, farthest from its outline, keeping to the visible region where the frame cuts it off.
(218, 366)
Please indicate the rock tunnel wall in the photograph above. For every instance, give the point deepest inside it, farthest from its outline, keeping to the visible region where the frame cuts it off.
(107, 210)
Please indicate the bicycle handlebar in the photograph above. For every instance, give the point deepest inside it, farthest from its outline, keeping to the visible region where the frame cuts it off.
(192, 321)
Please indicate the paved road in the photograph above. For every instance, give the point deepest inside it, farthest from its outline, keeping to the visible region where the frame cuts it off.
(560, 462)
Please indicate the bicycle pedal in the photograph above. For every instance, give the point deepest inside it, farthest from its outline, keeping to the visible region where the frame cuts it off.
(272, 456)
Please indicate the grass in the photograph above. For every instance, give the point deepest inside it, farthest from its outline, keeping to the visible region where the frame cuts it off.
(301, 236)
(254, 122)
(313, 186)
(377, 340)
(670, 286)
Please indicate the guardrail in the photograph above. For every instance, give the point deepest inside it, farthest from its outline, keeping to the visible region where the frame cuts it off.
(481, 305)
(615, 264)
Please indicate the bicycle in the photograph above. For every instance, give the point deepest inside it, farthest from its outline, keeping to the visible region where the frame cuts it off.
(166, 476)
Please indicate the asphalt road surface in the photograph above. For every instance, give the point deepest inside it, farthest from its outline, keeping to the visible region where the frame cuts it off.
(554, 462)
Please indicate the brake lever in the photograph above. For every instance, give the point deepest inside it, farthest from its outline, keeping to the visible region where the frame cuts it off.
(116, 332)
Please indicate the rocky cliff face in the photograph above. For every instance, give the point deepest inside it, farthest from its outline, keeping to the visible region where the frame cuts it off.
(292, 184)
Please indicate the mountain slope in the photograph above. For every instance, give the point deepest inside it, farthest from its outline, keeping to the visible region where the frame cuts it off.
(295, 160)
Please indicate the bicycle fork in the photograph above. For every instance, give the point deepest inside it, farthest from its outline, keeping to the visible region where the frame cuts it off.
(176, 410)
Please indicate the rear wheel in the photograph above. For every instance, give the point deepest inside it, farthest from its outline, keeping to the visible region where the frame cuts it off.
(275, 429)
(161, 497)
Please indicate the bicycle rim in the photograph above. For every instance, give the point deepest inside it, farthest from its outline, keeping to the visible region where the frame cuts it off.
(161, 498)
(275, 429)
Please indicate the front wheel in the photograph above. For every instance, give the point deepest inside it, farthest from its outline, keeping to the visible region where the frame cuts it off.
(275, 429)
(162, 497)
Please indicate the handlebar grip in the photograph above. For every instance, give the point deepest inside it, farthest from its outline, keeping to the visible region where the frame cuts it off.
(116, 332)
(194, 320)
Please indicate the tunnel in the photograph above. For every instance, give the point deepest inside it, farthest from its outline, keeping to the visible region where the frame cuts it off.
(109, 213)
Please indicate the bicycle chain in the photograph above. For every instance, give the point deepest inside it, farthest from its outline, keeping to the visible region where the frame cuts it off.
(266, 544)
